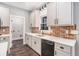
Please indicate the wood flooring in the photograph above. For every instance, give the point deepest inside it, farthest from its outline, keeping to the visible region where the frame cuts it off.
(18, 49)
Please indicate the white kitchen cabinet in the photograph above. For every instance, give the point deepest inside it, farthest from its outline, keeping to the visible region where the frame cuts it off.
(62, 50)
(36, 44)
(4, 16)
(51, 13)
(32, 18)
(61, 53)
(3, 48)
(60, 13)
(28, 40)
(64, 13)
(35, 18)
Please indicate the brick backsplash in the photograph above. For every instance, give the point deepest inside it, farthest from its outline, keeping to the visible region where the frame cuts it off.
(60, 31)
(4, 30)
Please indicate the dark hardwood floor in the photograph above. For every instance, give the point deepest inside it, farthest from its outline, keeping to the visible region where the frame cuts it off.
(18, 49)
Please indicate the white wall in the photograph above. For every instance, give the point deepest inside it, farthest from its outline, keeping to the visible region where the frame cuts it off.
(19, 12)
(76, 21)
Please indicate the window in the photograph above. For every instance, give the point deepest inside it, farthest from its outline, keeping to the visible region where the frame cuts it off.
(44, 23)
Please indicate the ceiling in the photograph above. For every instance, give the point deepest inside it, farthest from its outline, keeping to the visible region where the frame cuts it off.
(25, 5)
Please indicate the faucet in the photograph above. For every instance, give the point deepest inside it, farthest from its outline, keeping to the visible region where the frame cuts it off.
(42, 32)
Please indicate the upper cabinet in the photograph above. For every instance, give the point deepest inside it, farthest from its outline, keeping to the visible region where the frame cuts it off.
(59, 13)
(64, 13)
(51, 13)
(35, 18)
(4, 16)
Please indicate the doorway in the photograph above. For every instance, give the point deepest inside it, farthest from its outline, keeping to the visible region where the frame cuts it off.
(17, 27)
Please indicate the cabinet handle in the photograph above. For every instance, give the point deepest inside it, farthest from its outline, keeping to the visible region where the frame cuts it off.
(62, 47)
(34, 42)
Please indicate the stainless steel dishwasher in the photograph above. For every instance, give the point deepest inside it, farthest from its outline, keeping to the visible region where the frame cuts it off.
(47, 48)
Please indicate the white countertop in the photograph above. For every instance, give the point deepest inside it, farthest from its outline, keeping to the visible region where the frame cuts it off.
(4, 35)
(64, 41)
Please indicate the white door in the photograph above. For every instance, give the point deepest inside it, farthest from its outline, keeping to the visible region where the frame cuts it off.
(17, 26)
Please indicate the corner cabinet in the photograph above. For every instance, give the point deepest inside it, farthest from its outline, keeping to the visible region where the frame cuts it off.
(60, 13)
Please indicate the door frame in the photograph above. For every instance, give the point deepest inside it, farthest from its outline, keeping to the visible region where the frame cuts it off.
(11, 28)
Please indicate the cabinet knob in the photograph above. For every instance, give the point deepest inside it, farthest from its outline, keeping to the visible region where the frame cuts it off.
(34, 42)
(62, 47)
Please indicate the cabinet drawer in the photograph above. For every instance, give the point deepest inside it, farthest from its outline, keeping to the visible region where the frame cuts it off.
(60, 53)
(62, 47)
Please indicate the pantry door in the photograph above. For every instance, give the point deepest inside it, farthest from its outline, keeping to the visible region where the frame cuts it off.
(17, 26)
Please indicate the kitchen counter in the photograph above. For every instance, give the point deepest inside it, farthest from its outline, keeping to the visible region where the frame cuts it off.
(64, 41)
(4, 35)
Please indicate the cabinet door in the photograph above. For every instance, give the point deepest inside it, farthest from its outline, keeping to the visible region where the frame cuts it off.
(51, 13)
(28, 40)
(61, 53)
(64, 12)
(32, 18)
(36, 44)
(33, 43)
(3, 48)
(35, 18)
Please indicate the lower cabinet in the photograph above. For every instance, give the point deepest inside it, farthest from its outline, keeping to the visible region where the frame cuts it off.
(36, 44)
(3, 48)
(59, 49)
(60, 53)
(62, 50)
(28, 40)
